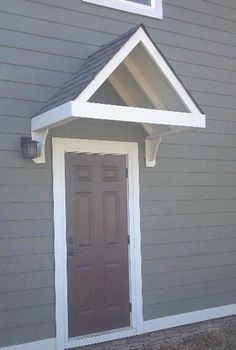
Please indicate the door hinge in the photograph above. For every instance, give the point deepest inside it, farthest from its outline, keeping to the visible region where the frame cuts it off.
(126, 172)
(130, 307)
(128, 239)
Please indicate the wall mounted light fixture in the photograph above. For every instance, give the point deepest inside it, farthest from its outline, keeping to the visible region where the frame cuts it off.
(29, 148)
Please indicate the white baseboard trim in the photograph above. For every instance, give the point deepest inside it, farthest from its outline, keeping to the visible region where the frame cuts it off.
(188, 318)
(148, 326)
(46, 344)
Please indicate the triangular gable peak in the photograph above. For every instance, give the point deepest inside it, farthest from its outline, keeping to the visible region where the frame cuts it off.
(144, 87)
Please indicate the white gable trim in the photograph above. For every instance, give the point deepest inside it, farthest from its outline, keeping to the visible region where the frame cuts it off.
(81, 108)
(139, 36)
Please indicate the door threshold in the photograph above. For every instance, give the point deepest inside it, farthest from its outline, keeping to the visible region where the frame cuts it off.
(101, 337)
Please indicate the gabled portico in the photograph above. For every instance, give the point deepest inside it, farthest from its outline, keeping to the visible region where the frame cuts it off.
(147, 89)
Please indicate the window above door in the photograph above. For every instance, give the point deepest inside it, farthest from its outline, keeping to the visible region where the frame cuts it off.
(150, 8)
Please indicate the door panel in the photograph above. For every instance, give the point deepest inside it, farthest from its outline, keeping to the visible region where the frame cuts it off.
(97, 245)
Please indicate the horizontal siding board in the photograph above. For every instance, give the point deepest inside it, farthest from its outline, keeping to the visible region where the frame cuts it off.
(187, 207)
(26, 246)
(172, 10)
(26, 263)
(187, 278)
(25, 177)
(25, 211)
(18, 107)
(188, 220)
(203, 139)
(181, 235)
(27, 316)
(22, 91)
(43, 44)
(194, 56)
(193, 153)
(205, 7)
(14, 124)
(209, 86)
(55, 31)
(22, 194)
(195, 171)
(174, 293)
(33, 57)
(167, 265)
(216, 113)
(188, 248)
(228, 3)
(14, 159)
(215, 100)
(31, 333)
(26, 299)
(24, 228)
(189, 179)
(24, 281)
(205, 73)
(185, 193)
(193, 304)
(33, 75)
(220, 126)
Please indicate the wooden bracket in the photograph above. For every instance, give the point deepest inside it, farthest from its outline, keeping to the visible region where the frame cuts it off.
(151, 148)
(40, 137)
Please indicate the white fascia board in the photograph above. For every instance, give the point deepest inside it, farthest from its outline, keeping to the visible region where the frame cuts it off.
(54, 117)
(136, 115)
(73, 109)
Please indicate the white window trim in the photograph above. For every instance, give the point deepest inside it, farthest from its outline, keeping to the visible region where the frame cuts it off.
(155, 10)
(130, 149)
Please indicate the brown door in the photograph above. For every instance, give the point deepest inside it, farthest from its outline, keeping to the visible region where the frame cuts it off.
(97, 243)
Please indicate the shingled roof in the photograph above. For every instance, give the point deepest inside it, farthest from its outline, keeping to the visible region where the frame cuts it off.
(88, 71)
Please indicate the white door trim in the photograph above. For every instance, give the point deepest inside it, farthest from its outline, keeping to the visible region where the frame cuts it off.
(130, 149)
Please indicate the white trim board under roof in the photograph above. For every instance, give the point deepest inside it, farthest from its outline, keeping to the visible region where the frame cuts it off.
(134, 68)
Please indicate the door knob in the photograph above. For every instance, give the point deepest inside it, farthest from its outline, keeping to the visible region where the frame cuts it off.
(70, 240)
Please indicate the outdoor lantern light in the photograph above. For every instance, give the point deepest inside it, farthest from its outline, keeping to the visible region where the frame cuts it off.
(29, 148)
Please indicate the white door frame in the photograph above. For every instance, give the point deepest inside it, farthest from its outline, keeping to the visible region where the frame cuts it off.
(130, 149)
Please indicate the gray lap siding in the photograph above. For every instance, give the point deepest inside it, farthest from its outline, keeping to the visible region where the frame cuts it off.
(188, 221)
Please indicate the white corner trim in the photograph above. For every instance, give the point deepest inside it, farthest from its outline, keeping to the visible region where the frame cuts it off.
(155, 10)
(130, 149)
(46, 344)
(188, 318)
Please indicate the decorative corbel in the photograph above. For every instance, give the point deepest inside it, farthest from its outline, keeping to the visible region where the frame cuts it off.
(151, 148)
(40, 137)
